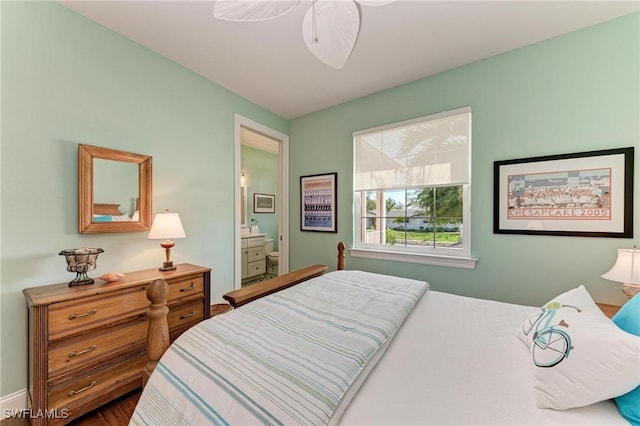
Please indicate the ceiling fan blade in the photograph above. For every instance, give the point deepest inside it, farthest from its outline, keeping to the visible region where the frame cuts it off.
(374, 2)
(252, 10)
(331, 29)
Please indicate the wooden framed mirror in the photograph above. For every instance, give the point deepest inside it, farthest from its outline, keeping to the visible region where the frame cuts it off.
(114, 190)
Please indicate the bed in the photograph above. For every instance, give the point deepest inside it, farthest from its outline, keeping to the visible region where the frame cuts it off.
(110, 212)
(389, 351)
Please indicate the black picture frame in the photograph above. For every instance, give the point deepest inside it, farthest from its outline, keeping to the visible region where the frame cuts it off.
(319, 203)
(583, 194)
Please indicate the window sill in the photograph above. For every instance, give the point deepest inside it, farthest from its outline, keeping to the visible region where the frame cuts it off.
(425, 259)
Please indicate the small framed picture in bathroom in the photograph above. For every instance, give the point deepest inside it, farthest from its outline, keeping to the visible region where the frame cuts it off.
(264, 203)
(319, 203)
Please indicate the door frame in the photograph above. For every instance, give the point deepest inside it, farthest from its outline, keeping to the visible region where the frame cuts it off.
(240, 121)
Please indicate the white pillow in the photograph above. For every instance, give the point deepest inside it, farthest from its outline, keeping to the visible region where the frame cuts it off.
(578, 356)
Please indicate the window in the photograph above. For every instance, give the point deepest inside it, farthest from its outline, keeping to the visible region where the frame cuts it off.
(411, 190)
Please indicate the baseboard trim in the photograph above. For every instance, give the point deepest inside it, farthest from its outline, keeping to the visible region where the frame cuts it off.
(13, 403)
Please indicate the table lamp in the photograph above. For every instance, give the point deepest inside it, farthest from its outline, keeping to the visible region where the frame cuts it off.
(166, 226)
(626, 270)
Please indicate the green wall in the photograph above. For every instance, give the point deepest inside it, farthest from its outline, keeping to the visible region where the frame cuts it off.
(67, 80)
(577, 92)
(261, 169)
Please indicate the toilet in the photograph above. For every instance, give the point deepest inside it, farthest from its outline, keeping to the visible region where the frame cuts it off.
(272, 258)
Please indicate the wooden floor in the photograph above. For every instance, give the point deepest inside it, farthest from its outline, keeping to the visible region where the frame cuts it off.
(117, 412)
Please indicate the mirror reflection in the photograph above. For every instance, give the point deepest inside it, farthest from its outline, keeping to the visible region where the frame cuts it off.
(115, 191)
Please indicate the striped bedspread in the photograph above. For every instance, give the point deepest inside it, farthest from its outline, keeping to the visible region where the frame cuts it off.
(288, 358)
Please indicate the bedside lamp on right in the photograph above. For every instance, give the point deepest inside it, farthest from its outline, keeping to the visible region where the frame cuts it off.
(626, 270)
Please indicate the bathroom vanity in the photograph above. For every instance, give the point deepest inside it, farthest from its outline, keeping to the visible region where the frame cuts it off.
(253, 255)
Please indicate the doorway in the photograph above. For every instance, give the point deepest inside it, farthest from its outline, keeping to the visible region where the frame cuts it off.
(259, 137)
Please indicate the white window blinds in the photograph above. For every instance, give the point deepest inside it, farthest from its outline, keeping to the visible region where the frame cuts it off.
(429, 151)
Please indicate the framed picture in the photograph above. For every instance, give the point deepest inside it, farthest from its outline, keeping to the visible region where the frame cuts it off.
(585, 194)
(319, 203)
(264, 203)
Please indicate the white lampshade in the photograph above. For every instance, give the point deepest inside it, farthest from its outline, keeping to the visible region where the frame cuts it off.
(626, 270)
(166, 226)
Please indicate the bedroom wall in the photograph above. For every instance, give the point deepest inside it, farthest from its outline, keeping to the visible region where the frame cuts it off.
(578, 92)
(67, 80)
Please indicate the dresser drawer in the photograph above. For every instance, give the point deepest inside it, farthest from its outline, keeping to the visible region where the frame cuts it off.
(256, 268)
(93, 347)
(96, 383)
(185, 287)
(76, 316)
(185, 314)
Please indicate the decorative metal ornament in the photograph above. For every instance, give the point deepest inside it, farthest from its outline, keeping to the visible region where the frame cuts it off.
(81, 261)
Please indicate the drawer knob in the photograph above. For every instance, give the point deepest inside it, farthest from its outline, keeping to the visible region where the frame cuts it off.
(190, 314)
(84, 351)
(86, 314)
(191, 287)
(75, 392)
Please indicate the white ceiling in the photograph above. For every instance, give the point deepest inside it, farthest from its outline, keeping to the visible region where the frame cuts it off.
(268, 63)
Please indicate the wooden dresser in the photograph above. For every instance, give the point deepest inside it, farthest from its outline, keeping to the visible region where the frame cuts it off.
(87, 344)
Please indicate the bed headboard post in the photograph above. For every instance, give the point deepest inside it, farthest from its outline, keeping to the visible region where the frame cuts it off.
(158, 332)
(340, 256)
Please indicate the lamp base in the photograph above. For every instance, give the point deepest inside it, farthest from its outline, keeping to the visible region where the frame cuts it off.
(630, 290)
(167, 266)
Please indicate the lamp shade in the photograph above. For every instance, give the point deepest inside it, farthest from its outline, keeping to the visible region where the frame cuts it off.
(627, 267)
(166, 226)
